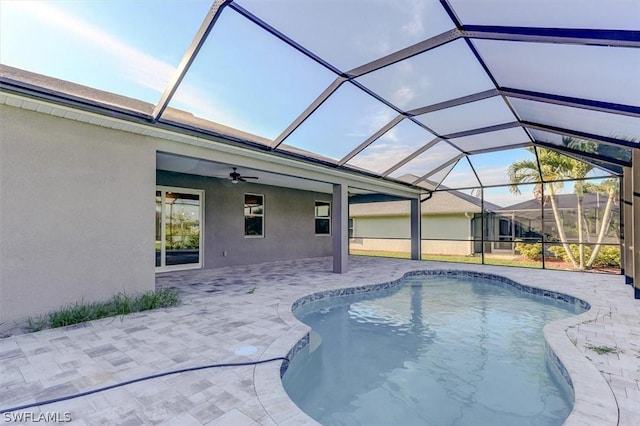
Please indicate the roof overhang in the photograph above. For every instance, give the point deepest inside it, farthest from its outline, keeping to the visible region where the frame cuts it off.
(208, 147)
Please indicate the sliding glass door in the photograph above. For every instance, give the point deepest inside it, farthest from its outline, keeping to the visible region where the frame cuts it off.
(178, 228)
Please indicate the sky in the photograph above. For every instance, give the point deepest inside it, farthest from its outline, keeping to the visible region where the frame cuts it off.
(245, 78)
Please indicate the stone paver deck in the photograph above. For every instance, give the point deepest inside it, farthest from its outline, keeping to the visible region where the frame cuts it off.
(229, 312)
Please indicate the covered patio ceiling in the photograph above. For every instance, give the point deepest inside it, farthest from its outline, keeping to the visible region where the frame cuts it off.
(222, 170)
(449, 91)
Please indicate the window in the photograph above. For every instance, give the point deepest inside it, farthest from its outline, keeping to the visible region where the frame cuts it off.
(253, 215)
(323, 218)
(351, 228)
(179, 221)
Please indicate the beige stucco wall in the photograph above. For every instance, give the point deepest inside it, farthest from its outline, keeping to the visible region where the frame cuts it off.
(382, 226)
(76, 203)
(380, 244)
(392, 233)
(442, 226)
(463, 248)
(446, 226)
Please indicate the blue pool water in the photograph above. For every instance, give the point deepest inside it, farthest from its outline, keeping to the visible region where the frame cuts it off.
(433, 351)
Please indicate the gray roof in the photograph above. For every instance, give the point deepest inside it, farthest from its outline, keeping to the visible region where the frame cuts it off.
(565, 201)
(442, 202)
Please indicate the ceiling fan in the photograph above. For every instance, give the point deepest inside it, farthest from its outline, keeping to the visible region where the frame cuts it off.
(236, 177)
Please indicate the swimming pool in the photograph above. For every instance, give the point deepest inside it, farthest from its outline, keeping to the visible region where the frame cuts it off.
(435, 350)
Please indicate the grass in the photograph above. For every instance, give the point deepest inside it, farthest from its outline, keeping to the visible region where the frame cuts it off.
(120, 304)
(381, 253)
(603, 350)
(488, 260)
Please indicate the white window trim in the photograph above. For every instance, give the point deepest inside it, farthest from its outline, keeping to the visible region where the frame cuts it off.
(322, 217)
(264, 209)
(199, 265)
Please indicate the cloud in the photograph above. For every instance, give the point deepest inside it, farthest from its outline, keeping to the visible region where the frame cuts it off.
(414, 26)
(402, 96)
(496, 175)
(135, 65)
(464, 179)
(129, 63)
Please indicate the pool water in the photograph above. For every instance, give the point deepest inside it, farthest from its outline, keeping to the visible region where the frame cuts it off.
(434, 351)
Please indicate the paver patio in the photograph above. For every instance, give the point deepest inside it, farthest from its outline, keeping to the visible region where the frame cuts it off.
(229, 312)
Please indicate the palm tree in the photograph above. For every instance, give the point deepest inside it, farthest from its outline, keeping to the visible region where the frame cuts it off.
(553, 167)
(612, 189)
(579, 171)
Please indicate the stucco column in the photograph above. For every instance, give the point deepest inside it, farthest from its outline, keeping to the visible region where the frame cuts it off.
(416, 232)
(626, 257)
(635, 226)
(340, 220)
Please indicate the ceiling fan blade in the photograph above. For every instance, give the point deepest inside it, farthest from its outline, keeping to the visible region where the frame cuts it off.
(250, 177)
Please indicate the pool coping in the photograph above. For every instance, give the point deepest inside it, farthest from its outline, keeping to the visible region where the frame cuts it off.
(591, 404)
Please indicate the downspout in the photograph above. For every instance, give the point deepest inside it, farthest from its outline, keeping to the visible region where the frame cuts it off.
(429, 195)
(470, 217)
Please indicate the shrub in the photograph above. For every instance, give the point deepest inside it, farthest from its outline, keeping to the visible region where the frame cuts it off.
(120, 304)
(608, 256)
(530, 251)
(560, 252)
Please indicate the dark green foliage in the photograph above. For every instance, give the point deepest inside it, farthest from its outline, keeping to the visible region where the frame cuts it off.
(530, 251)
(609, 256)
(120, 304)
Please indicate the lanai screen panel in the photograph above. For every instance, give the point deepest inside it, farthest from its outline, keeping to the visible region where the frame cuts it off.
(618, 14)
(473, 115)
(101, 45)
(340, 124)
(560, 167)
(427, 162)
(605, 151)
(242, 78)
(461, 176)
(396, 144)
(435, 180)
(492, 168)
(595, 122)
(446, 72)
(348, 34)
(497, 139)
(608, 74)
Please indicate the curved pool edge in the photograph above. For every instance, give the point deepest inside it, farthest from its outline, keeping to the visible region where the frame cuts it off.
(594, 401)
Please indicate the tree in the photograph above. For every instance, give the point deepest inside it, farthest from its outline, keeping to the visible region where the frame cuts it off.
(554, 167)
(612, 189)
(579, 171)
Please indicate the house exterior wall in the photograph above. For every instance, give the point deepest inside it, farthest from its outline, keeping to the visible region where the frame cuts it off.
(392, 233)
(455, 226)
(382, 227)
(76, 213)
(78, 207)
(289, 221)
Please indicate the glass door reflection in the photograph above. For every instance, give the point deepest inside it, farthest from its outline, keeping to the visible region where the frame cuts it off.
(178, 228)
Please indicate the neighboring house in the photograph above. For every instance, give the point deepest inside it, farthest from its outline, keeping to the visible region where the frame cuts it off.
(452, 223)
(450, 219)
(524, 221)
